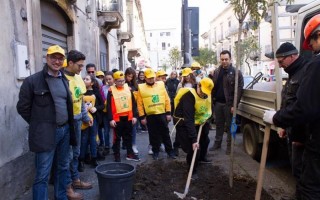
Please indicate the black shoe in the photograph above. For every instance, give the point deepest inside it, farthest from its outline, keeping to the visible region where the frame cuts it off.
(172, 156)
(176, 151)
(133, 157)
(106, 151)
(215, 147)
(205, 161)
(117, 158)
(94, 162)
(81, 166)
(155, 156)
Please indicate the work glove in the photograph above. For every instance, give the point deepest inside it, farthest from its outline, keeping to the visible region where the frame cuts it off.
(268, 116)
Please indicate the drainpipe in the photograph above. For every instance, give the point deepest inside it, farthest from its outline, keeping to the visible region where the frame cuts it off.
(30, 35)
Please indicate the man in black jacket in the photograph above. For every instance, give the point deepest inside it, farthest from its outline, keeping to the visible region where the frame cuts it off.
(289, 59)
(306, 110)
(171, 85)
(222, 95)
(45, 103)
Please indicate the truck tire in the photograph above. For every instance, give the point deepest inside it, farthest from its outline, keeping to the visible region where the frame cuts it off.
(250, 141)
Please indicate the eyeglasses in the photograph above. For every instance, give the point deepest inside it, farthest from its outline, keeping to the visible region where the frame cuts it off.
(55, 59)
(90, 72)
(81, 65)
(282, 60)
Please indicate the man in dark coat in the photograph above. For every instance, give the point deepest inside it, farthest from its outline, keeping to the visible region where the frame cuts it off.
(45, 103)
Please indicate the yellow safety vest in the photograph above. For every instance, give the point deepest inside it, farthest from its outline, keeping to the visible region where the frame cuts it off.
(122, 99)
(77, 89)
(153, 98)
(202, 106)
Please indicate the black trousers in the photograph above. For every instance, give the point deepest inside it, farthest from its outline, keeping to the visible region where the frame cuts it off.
(159, 132)
(123, 130)
(186, 143)
(309, 183)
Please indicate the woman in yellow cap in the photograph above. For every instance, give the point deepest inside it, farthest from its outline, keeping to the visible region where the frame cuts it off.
(188, 79)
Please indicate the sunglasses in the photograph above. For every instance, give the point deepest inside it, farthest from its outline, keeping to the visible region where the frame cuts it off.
(90, 72)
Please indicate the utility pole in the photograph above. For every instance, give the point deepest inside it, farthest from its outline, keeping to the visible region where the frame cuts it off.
(186, 35)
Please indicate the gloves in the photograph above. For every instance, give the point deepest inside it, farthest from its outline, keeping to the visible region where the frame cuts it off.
(268, 116)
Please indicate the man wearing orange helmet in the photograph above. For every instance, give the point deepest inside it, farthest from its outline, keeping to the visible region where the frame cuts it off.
(306, 110)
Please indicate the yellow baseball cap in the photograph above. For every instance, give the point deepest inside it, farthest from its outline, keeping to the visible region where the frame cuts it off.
(118, 75)
(161, 73)
(99, 73)
(206, 85)
(55, 49)
(195, 65)
(186, 71)
(149, 73)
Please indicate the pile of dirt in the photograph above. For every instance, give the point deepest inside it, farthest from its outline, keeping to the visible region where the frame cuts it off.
(159, 180)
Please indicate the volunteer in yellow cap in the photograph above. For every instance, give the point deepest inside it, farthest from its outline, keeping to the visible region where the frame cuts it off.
(193, 108)
(195, 66)
(188, 80)
(123, 115)
(100, 75)
(55, 58)
(155, 112)
(161, 75)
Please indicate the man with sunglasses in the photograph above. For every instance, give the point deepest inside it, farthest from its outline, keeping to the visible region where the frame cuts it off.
(45, 103)
(91, 69)
(293, 64)
(305, 110)
(193, 107)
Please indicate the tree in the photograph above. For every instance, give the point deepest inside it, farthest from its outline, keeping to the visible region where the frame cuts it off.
(175, 59)
(250, 49)
(206, 56)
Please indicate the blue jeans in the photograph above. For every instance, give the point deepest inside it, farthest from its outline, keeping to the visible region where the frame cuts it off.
(73, 173)
(106, 127)
(89, 135)
(43, 164)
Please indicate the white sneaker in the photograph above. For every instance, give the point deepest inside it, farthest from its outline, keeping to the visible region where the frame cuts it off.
(135, 150)
(162, 148)
(150, 152)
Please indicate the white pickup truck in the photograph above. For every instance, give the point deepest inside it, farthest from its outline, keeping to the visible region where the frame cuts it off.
(266, 96)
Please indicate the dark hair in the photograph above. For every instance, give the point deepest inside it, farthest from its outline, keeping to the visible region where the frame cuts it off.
(226, 52)
(138, 79)
(95, 85)
(109, 73)
(133, 82)
(90, 65)
(75, 56)
(114, 70)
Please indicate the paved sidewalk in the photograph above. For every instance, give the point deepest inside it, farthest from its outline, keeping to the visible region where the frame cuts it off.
(275, 183)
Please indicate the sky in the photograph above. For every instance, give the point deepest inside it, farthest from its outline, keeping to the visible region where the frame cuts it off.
(167, 13)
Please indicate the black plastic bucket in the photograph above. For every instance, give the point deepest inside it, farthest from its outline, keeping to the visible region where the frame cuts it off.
(115, 181)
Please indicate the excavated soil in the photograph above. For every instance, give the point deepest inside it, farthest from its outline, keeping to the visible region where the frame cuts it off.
(159, 180)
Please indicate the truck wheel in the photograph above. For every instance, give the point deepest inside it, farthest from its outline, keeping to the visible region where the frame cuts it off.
(250, 141)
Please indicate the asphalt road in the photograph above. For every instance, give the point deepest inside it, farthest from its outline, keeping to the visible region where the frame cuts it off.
(278, 181)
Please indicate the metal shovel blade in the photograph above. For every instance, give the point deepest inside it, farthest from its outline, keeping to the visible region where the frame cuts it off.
(180, 195)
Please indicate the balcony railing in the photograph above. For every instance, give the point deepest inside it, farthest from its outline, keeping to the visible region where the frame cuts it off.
(109, 5)
(109, 14)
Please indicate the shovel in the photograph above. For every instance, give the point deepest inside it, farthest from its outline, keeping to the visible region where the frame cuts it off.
(263, 160)
(186, 190)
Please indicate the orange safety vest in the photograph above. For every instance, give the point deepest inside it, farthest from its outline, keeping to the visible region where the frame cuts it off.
(121, 103)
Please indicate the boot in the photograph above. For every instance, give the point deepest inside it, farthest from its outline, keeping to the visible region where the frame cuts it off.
(81, 166)
(94, 162)
(72, 195)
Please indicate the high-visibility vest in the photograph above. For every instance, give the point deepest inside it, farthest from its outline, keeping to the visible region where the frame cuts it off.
(202, 106)
(77, 89)
(122, 102)
(153, 98)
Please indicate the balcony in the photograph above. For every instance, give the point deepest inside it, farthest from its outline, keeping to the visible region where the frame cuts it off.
(109, 14)
(126, 34)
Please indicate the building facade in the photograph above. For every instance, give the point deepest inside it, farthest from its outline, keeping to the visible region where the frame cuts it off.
(98, 28)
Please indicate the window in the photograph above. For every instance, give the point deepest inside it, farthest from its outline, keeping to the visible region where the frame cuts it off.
(167, 33)
(163, 46)
(168, 44)
(161, 33)
(148, 46)
(150, 34)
